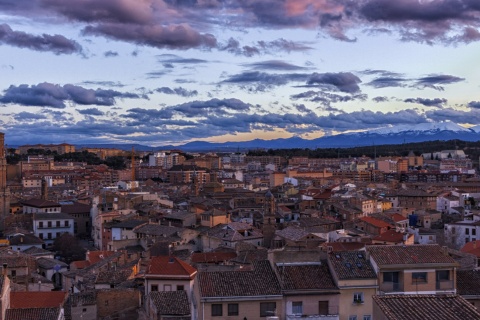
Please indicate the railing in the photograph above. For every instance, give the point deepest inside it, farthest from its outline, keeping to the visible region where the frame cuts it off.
(332, 315)
(391, 287)
(445, 285)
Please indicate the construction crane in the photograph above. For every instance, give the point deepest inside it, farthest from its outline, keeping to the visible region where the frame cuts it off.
(133, 168)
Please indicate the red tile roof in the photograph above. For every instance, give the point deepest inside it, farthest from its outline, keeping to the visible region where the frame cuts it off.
(95, 256)
(472, 247)
(37, 299)
(425, 306)
(212, 257)
(390, 236)
(376, 222)
(413, 254)
(170, 266)
(398, 217)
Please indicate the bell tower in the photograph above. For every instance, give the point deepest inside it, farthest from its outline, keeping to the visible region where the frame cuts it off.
(269, 225)
(4, 191)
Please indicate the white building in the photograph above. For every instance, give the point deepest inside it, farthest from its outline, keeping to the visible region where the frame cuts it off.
(49, 226)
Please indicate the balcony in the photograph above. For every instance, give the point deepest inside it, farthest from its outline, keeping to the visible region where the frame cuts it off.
(445, 285)
(332, 315)
(390, 287)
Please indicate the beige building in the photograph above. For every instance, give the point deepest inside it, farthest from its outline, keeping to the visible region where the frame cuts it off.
(252, 293)
(58, 148)
(355, 276)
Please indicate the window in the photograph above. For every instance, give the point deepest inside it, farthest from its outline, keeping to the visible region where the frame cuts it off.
(233, 309)
(58, 223)
(267, 309)
(49, 224)
(419, 277)
(390, 277)
(467, 231)
(443, 275)
(49, 235)
(367, 317)
(180, 288)
(217, 310)
(154, 287)
(40, 224)
(358, 297)
(323, 307)
(352, 317)
(297, 307)
(474, 232)
(66, 224)
(40, 235)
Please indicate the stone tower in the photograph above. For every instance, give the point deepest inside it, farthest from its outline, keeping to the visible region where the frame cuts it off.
(269, 226)
(4, 191)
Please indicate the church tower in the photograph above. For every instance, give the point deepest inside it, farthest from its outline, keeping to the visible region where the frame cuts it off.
(4, 191)
(269, 226)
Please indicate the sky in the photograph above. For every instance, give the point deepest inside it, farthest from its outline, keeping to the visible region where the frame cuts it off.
(159, 72)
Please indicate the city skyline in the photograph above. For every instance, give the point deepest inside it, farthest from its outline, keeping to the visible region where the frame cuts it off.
(168, 72)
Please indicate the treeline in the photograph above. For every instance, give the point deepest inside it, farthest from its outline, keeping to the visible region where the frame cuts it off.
(470, 148)
(115, 162)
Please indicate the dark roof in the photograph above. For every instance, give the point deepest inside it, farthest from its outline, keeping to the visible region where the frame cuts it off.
(351, 265)
(171, 302)
(51, 216)
(259, 281)
(131, 223)
(36, 251)
(468, 282)
(25, 239)
(76, 207)
(411, 254)
(306, 276)
(212, 257)
(425, 306)
(169, 266)
(113, 276)
(157, 230)
(40, 203)
(33, 314)
(49, 263)
(84, 298)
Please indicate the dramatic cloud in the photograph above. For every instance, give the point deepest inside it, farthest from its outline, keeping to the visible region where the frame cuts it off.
(178, 91)
(274, 65)
(263, 81)
(91, 112)
(474, 104)
(110, 54)
(57, 44)
(27, 116)
(437, 102)
(343, 81)
(54, 96)
(181, 37)
(437, 81)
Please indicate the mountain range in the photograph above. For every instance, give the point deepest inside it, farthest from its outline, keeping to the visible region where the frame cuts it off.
(387, 135)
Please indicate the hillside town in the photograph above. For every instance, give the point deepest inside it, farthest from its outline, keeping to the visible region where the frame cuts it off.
(227, 235)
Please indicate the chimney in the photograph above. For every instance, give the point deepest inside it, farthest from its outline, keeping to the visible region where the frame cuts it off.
(4, 270)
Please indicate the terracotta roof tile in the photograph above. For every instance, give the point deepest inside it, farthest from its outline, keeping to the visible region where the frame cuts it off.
(351, 265)
(170, 266)
(418, 307)
(376, 222)
(412, 254)
(312, 276)
(390, 236)
(212, 257)
(259, 281)
(33, 314)
(468, 282)
(37, 299)
(172, 303)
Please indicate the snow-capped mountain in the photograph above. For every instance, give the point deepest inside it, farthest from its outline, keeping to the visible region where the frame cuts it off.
(388, 135)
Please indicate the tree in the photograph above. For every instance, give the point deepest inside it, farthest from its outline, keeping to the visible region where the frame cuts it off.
(68, 248)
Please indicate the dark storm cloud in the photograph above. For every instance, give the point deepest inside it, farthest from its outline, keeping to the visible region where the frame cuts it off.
(174, 59)
(437, 81)
(277, 65)
(432, 81)
(457, 116)
(384, 82)
(437, 102)
(104, 11)
(474, 104)
(380, 99)
(26, 116)
(326, 98)
(177, 91)
(55, 96)
(180, 37)
(110, 54)
(262, 47)
(342, 81)
(57, 44)
(266, 79)
(91, 112)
